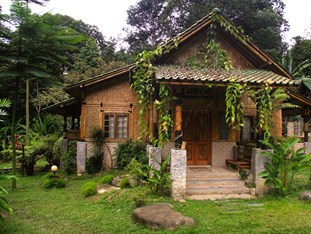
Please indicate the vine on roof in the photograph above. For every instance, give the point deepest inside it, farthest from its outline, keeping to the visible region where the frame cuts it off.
(234, 106)
(264, 105)
(143, 84)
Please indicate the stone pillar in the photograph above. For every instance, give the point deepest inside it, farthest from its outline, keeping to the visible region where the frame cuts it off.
(154, 155)
(258, 166)
(179, 172)
(81, 157)
(307, 146)
(178, 124)
(306, 128)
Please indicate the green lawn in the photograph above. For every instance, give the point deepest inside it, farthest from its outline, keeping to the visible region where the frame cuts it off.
(67, 211)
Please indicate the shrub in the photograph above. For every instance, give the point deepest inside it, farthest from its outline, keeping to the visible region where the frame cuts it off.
(57, 151)
(140, 199)
(107, 179)
(285, 163)
(4, 204)
(131, 149)
(124, 183)
(69, 159)
(95, 162)
(135, 170)
(244, 173)
(89, 189)
(51, 181)
(159, 181)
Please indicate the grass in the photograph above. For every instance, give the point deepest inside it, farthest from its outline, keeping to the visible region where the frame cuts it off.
(67, 211)
(41, 162)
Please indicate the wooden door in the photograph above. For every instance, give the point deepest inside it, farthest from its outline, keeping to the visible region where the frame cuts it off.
(197, 134)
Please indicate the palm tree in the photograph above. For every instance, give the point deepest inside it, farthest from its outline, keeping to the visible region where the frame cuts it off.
(4, 103)
(38, 48)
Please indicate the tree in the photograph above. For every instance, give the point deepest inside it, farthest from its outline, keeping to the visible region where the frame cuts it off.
(96, 41)
(155, 21)
(38, 49)
(38, 2)
(4, 103)
(301, 56)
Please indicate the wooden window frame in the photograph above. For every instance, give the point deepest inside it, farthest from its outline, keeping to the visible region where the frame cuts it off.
(115, 137)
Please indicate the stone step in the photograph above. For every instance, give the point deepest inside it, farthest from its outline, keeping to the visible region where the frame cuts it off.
(223, 190)
(213, 185)
(215, 182)
(214, 197)
(212, 175)
(212, 180)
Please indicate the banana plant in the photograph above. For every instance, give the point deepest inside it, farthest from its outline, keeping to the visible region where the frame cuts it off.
(284, 163)
(4, 204)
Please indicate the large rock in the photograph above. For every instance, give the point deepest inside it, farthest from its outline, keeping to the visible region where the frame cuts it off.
(306, 196)
(161, 216)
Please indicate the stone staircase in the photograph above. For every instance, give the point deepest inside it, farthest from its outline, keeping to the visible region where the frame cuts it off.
(212, 183)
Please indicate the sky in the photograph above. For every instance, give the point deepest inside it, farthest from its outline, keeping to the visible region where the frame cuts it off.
(110, 15)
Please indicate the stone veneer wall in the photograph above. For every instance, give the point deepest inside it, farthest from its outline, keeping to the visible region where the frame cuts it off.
(221, 151)
(81, 156)
(110, 160)
(307, 145)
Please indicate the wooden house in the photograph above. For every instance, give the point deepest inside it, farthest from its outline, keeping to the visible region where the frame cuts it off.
(108, 101)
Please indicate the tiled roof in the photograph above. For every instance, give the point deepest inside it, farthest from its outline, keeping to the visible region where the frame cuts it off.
(174, 73)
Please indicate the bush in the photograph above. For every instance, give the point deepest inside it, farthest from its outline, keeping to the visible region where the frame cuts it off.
(107, 179)
(244, 173)
(126, 151)
(140, 199)
(89, 189)
(57, 151)
(95, 162)
(51, 181)
(135, 169)
(159, 181)
(4, 204)
(125, 183)
(69, 159)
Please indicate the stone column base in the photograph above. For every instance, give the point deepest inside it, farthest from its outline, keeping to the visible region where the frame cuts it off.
(179, 172)
(81, 157)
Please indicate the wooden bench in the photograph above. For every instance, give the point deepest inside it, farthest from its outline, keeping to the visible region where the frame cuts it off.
(243, 156)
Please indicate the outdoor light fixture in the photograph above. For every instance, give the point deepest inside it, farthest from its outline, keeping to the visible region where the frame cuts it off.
(54, 168)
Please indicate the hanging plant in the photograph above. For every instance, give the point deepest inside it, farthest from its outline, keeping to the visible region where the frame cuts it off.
(234, 107)
(143, 84)
(165, 118)
(264, 105)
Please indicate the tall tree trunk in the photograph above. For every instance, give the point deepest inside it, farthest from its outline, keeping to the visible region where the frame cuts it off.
(13, 129)
(27, 140)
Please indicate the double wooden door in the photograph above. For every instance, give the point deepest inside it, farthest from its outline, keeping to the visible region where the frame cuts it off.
(197, 133)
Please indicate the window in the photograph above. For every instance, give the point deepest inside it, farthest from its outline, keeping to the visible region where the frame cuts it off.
(116, 126)
(247, 133)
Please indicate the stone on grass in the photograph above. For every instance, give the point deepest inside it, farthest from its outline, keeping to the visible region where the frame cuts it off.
(306, 196)
(103, 188)
(116, 181)
(160, 216)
